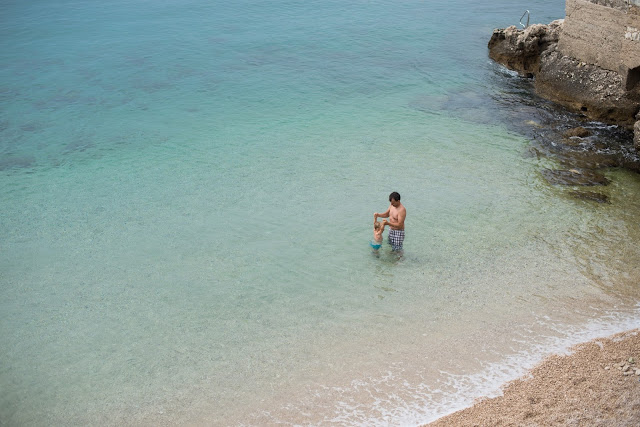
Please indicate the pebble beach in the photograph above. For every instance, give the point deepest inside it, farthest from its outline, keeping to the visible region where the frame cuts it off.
(597, 384)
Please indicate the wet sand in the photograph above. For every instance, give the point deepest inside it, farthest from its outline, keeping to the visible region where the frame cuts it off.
(597, 384)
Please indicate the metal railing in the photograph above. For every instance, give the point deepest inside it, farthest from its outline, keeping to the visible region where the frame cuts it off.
(526, 12)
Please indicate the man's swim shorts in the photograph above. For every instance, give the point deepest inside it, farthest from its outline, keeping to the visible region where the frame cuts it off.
(396, 238)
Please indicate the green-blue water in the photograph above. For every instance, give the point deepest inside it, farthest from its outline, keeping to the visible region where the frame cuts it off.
(187, 190)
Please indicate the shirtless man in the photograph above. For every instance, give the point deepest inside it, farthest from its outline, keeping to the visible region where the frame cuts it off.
(396, 214)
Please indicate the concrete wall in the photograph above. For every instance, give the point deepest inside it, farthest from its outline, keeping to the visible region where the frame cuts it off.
(605, 33)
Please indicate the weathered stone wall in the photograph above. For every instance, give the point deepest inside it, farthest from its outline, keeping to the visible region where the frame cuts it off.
(616, 4)
(605, 33)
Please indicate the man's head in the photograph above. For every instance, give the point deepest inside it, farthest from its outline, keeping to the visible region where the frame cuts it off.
(394, 198)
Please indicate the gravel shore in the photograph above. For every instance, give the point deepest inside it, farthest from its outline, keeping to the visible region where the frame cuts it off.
(597, 384)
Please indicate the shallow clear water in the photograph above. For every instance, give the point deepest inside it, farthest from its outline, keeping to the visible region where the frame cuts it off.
(187, 195)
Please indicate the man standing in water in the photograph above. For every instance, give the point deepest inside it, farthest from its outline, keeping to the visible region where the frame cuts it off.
(396, 214)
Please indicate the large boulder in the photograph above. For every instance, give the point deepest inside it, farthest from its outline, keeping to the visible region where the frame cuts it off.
(520, 50)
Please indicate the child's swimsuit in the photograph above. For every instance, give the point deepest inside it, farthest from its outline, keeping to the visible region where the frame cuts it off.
(375, 245)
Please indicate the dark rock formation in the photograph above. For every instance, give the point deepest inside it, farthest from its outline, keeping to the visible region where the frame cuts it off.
(636, 133)
(580, 132)
(591, 196)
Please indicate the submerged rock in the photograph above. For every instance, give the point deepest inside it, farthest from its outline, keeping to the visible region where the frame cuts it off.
(591, 196)
(9, 163)
(636, 133)
(589, 160)
(580, 132)
(574, 177)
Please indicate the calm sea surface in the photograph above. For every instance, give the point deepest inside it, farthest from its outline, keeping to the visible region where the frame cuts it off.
(186, 199)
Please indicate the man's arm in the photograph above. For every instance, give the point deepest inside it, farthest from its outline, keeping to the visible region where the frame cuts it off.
(382, 215)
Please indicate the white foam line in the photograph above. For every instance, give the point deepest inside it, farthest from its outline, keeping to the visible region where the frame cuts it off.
(433, 403)
(488, 383)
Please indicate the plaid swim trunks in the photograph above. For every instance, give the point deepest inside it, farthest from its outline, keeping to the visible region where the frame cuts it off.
(396, 237)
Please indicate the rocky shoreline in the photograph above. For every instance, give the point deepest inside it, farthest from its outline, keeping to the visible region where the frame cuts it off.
(588, 89)
(588, 116)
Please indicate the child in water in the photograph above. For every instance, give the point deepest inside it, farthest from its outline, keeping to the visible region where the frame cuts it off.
(378, 228)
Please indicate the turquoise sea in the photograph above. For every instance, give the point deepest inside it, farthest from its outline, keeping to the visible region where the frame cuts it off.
(187, 190)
